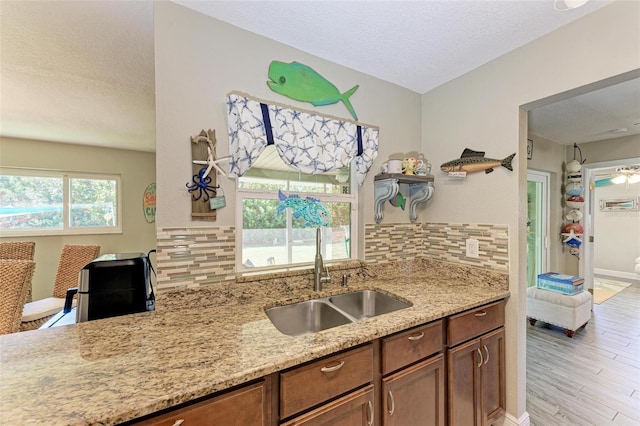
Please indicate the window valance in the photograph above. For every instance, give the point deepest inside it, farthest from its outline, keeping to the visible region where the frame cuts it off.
(308, 142)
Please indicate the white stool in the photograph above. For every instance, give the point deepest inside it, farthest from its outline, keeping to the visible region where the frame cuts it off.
(568, 312)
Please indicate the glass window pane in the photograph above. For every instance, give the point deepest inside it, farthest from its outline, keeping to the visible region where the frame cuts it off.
(337, 236)
(267, 241)
(307, 187)
(93, 203)
(261, 184)
(263, 233)
(31, 202)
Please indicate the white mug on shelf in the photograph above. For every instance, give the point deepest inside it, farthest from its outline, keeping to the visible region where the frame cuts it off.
(392, 166)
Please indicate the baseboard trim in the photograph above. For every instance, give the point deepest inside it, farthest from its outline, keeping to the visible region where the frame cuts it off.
(618, 274)
(524, 420)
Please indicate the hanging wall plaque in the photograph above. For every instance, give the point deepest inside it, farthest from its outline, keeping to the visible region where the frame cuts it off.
(149, 203)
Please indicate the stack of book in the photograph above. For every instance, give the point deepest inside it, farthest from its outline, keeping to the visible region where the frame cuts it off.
(561, 283)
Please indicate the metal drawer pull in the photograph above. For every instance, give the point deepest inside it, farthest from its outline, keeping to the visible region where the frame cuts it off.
(479, 353)
(370, 414)
(391, 402)
(178, 422)
(481, 313)
(334, 368)
(417, 336)
(486, 359)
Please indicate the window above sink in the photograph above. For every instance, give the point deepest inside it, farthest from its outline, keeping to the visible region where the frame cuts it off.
(273, 237)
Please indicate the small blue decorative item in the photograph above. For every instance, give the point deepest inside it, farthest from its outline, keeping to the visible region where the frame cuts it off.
(575, 188)
(310, 209)
(200, 187)
(573, 240)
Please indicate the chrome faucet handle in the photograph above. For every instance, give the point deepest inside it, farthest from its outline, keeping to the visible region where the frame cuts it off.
(326, 278)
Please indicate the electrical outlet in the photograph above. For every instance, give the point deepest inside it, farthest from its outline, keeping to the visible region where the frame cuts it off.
(473, 248)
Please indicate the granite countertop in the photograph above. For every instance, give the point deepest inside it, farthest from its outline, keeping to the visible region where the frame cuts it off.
(201, 341)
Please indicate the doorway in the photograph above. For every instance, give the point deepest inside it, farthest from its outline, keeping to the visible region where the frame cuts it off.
(537, 224)
(587, 261)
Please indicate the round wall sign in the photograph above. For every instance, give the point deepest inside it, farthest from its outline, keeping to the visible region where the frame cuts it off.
(149, 203)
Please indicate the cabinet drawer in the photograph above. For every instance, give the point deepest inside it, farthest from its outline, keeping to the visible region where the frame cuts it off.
(470, 324)
(355, 408)
(314, 383)
(242, 407)
(410, 346)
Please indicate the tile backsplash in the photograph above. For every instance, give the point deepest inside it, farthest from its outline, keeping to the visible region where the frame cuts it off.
(387, 242)
(192, 257)
(438, 241)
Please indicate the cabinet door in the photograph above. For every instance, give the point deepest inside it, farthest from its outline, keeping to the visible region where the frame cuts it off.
(464, 362)
(354, 409)
(415, 395)
(243, 407)
(492, 371)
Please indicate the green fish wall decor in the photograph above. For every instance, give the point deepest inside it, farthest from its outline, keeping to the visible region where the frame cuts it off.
(474, 161)
(298, 81)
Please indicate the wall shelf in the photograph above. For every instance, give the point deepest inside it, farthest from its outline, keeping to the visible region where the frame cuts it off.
(387, 185)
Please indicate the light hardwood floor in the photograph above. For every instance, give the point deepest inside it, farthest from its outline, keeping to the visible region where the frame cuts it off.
(593, 378)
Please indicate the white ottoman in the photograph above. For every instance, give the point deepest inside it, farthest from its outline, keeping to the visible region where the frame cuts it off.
(568, 312)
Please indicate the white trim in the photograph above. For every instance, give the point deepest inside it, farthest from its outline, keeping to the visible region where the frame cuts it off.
(618, 274)
(544, 178)
(524, 420)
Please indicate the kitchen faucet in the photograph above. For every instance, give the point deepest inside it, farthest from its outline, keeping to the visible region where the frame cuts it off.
(318, 279)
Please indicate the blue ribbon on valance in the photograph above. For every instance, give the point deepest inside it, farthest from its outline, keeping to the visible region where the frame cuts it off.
(308, 142)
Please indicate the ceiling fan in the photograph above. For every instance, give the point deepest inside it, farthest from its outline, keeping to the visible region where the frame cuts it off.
(624, 174)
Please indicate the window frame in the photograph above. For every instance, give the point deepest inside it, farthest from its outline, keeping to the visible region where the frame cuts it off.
(67, 177)
(243, 193)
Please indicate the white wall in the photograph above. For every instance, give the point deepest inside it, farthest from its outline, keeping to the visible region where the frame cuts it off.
(482, 110)
(136, 169)
(200, 59)
(617, 233)
(608, 150)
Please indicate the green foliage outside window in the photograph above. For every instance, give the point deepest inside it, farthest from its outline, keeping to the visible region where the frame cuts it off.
(31, 202)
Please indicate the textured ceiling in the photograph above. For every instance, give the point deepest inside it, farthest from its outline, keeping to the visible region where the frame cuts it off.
(598, 115)
(83, 71)
(79, 72)
(415, 44)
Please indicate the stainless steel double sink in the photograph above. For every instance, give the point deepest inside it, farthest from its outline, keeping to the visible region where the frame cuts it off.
(320, 314)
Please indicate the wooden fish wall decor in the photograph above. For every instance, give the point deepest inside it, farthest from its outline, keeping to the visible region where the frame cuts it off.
(474, 161)
(298, 81)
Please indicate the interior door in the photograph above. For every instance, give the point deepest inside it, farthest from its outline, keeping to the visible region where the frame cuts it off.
(537, 225)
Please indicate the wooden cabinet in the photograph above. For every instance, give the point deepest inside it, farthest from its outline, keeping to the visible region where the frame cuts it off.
(407, 347)
(247, 406)
(354, 409)
(476, 369)
(316, 382)
(493, 375)
(473, 323)
(415, 393)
